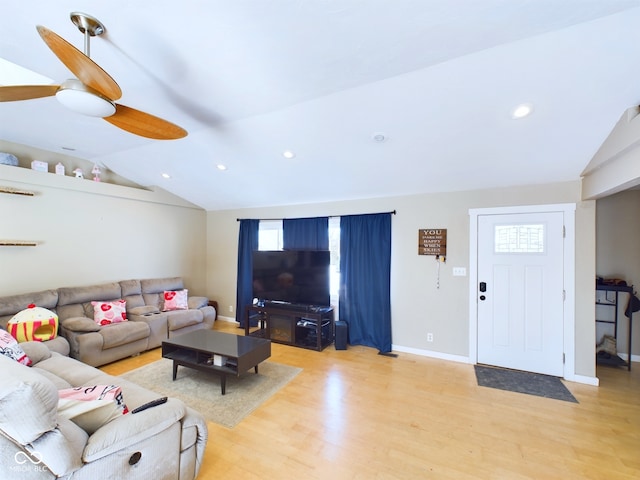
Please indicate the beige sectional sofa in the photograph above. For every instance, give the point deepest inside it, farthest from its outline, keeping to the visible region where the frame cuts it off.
(165, 442)
(84, 339)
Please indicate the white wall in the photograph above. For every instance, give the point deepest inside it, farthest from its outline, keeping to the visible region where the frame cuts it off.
(417, 305)
(155, 234)
(90, 232)
(618, 252)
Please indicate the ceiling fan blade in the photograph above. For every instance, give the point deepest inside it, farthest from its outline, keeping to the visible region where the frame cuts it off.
(11, 93)
(87, 71)
(145, 124)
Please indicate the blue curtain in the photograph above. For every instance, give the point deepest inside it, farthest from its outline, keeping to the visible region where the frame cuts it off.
(305, 233)
(247, 243)
(365, 279)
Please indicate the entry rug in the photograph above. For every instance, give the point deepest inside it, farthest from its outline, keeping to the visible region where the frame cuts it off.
(201, 390)
(523, 382)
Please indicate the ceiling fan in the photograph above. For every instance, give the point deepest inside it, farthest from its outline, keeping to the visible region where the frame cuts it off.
(93, 92)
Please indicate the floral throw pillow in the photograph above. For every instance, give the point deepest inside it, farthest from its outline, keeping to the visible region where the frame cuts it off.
(105, 313)
(10, 348)
(175, 300)
(92, 406)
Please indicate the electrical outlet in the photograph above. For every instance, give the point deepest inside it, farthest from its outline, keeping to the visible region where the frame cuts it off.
(429, 337)
(459, 272)
(230, 308)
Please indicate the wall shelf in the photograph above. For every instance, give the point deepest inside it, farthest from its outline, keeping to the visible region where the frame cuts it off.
(16, 191)
(17, 243)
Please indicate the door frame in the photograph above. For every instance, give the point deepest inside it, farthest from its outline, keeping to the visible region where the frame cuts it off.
(569, 271)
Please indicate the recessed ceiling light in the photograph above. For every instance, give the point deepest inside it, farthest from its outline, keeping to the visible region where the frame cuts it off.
(379, 137)
(522, 110)
(221, 167)
(166, 175)
(288, 154)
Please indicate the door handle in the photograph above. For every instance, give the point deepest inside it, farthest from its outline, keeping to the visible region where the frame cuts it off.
(483, 286)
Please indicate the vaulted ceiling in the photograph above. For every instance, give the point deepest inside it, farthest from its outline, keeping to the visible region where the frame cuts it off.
(251, 79)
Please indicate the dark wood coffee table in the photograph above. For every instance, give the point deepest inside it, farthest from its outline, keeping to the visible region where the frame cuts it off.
(202, 349)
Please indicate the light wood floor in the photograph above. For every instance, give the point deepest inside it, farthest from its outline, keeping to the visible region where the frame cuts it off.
(353, 414)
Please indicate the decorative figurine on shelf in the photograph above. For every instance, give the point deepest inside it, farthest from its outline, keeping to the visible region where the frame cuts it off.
(59, 169)
(78, 172)
(96, 173)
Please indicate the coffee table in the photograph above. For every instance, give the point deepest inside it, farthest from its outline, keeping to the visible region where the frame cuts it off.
(220, 353)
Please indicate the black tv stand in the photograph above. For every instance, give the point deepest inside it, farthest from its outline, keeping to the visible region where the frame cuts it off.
(298, 307)
(305, 326)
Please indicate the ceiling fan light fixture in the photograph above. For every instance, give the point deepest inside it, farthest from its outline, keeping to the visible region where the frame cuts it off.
(76, 96)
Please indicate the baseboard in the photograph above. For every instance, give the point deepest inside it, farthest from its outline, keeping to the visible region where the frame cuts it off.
(431, 354)
(595, 381)
(227, 319)
(462, 359)
(625, 356)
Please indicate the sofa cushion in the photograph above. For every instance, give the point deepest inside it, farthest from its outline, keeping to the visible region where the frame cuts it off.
(144, 310)
(159, 285)
(122, 333)
(130, 287)
(105, 313)
(80, 324)
(127, 430)
(153, 289)
(91, 406)
(132, 293)
(9, 348)
(12, 304)
(175, 300)
(36, 351)
(178, 319)
(75, 295)
(28, 402)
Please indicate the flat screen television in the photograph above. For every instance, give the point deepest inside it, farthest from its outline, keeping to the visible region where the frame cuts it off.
(292, 276)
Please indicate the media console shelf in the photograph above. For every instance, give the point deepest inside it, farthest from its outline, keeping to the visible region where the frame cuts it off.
(306, 328)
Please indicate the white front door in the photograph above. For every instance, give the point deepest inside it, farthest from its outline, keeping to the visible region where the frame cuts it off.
(520, 291)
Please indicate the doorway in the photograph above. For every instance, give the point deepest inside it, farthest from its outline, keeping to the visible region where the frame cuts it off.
(521, 288)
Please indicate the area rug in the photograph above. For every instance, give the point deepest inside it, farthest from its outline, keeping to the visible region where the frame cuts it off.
(201, 390)
(523, 382)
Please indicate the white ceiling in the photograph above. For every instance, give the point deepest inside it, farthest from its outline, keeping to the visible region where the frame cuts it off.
(251, 78)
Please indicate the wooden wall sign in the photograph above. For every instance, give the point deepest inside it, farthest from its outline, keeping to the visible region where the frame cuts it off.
(432, 241)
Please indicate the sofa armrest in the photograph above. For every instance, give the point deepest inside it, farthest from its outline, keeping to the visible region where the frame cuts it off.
(80, 324)
(131, 428)
(197, 302)
(195, 434)
(36, 351)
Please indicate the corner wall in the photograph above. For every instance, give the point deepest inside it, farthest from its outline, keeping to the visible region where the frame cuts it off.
(618, 253)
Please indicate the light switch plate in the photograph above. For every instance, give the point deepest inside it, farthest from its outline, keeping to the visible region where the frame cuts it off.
(459, 272)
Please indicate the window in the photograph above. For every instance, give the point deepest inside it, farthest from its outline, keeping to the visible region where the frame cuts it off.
(519, 238)
(270, 235)
(270, 238)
